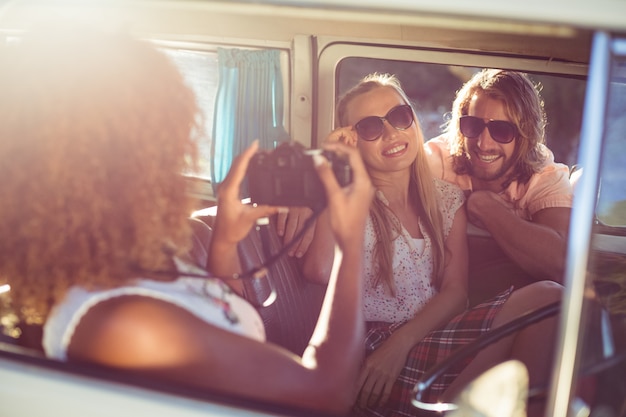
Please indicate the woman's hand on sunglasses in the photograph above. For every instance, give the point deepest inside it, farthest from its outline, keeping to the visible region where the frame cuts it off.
(346, 135)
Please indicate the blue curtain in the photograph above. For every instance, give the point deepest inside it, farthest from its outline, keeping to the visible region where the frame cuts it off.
(249, 106)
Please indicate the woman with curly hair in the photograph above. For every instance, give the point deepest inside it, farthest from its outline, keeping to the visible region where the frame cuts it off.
(95, 131)
(87, 160)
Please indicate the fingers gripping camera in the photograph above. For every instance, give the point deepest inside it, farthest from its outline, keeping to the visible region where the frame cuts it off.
(287, 177)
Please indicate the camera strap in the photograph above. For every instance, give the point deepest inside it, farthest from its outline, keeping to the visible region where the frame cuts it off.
(270, 258)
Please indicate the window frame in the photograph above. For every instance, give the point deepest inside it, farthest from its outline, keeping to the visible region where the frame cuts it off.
(333, 50)
(586, 234)
(581, 237)
(200, 185)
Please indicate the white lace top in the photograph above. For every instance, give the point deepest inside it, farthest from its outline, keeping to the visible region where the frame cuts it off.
(208, 299)
(412, 265)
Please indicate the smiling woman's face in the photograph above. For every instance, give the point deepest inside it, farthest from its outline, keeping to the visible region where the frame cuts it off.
(395, 149)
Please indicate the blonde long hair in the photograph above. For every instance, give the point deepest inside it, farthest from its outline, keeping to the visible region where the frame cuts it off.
(95, 131)
(421, 189)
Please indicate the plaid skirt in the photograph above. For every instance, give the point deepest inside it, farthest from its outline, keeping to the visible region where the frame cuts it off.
(434, 348)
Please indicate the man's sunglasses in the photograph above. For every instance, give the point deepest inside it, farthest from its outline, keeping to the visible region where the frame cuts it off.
(500, 130)
(371, 127)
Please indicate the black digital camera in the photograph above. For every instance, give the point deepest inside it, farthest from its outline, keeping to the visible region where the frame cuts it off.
(287, 177)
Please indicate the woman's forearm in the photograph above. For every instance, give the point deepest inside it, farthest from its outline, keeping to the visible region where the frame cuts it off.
(439, 311)
(340, 329)
(317, 262)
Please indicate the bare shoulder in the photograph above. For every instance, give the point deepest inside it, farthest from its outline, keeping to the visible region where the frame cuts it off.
(135, 331)
(161, 340)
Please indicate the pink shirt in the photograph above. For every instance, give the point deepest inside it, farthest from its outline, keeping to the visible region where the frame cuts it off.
(548, 188)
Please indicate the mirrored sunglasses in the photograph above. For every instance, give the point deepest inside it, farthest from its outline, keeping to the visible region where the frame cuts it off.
(500, 130)
(372, 127)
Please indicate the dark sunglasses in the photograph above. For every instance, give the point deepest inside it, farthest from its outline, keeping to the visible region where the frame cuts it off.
(501, 131)
(371, 127)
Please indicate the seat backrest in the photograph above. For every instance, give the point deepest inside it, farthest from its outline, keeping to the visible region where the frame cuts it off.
(290, 320)
(490, 270)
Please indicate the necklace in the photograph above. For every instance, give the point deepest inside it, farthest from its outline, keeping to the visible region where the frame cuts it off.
(221, 301)
(224, 290)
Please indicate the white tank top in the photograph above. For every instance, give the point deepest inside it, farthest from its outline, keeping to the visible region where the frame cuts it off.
(208, 299)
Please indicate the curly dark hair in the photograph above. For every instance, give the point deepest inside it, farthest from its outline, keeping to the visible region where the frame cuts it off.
(95, 132)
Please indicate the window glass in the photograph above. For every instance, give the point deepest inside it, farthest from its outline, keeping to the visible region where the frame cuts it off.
(611, 208)
(200, 70)
(432, 88)
(600, 361)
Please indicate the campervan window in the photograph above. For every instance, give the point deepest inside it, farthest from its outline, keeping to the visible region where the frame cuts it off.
(336, 57)
(611, 208)
(200, 66)
(432, 88)
(200, 70)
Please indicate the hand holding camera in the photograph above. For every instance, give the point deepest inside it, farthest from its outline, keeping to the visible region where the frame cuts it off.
(287, 177)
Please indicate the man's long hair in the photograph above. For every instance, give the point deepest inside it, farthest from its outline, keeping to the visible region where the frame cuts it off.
(524, 107)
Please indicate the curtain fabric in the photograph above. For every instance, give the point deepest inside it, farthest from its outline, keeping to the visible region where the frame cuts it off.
(249, 106)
